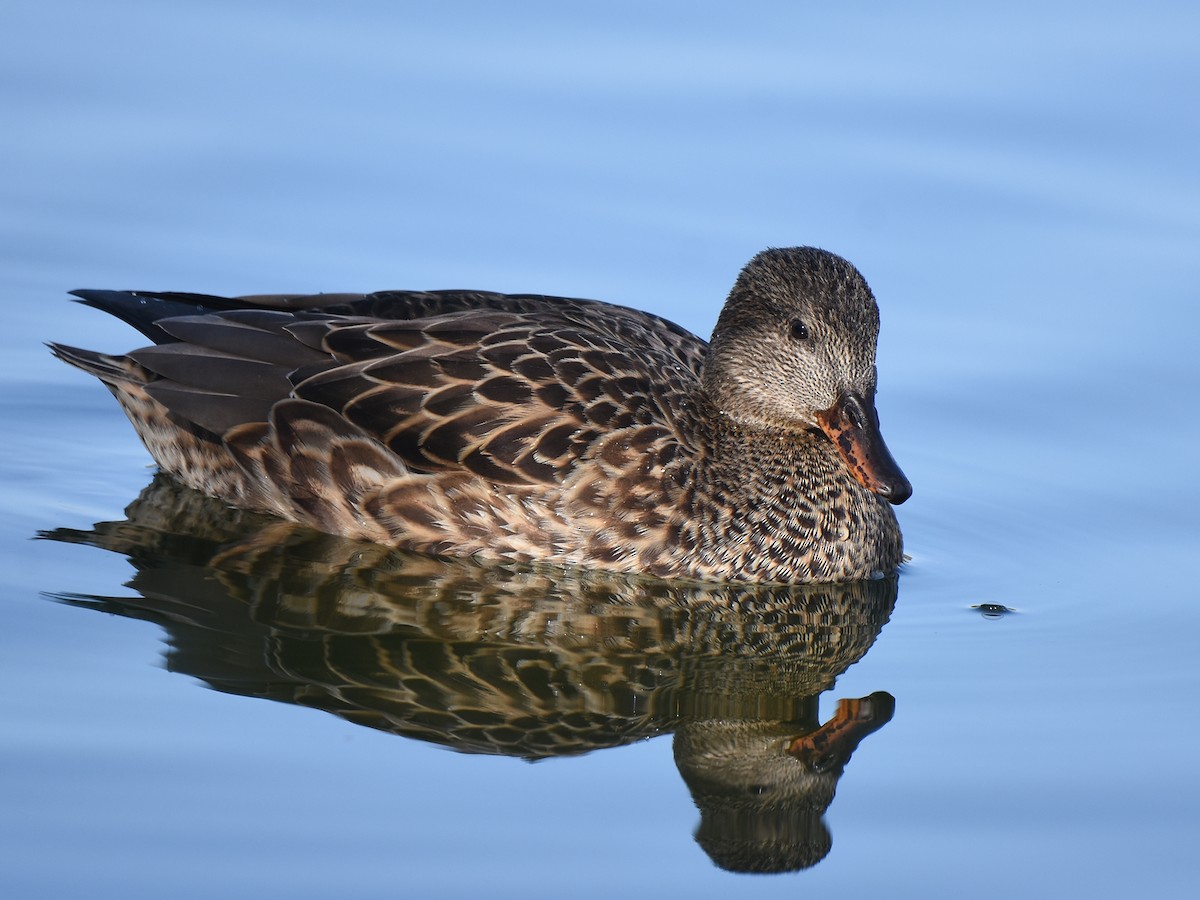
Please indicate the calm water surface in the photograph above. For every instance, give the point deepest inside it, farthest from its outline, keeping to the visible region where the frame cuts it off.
(1019, 188)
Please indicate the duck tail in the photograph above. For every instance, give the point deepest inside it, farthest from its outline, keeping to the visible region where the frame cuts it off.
(112, 370)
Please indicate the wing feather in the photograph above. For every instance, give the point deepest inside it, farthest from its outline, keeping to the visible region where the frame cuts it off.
(513, 397)
(517, 389)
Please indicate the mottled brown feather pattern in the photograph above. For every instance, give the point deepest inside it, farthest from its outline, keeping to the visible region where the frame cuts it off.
(525, 427)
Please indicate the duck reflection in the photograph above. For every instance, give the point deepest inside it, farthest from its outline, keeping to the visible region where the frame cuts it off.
(523, 661)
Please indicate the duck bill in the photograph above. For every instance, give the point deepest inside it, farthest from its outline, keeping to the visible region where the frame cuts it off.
(830, 746)
(853, 425)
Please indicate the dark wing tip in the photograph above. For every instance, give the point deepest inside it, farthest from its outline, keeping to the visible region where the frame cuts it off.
(142, 309)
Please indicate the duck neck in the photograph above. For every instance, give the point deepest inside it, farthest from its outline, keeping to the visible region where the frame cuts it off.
(784, 507)
(772, 462)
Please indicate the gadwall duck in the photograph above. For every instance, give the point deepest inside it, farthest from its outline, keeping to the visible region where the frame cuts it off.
(534, 428)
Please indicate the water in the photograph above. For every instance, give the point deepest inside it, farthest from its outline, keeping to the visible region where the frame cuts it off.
(1019, 188)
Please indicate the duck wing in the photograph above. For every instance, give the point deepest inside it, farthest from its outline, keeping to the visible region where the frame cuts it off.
(515, 391)
(512, 388)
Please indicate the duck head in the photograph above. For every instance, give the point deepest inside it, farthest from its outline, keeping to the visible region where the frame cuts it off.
(794, 350)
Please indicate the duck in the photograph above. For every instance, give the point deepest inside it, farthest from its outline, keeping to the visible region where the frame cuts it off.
(534, 429)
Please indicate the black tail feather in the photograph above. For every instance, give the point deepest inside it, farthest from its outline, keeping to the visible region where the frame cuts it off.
(108, 369)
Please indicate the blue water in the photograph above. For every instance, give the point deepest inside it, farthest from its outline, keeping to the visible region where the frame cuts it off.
(1018, 185)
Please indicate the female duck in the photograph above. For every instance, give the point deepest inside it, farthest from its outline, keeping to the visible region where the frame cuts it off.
(535, 428)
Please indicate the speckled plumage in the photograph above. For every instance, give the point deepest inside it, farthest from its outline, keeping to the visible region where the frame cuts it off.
(535, 428)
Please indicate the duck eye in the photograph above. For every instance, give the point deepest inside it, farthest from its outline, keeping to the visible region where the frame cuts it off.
(799, 330)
